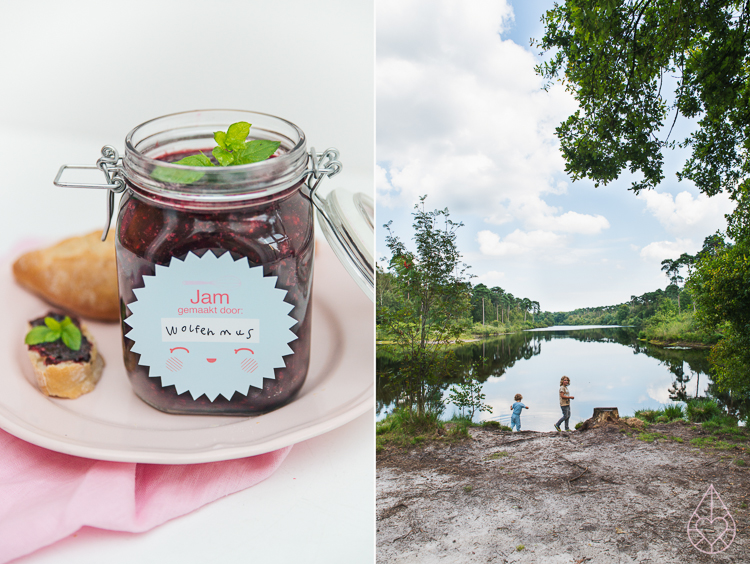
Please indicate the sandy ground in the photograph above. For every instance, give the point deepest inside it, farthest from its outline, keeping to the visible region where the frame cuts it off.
(599, 496)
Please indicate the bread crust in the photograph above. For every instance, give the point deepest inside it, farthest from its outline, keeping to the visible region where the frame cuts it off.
(78, 274)
(68, 379)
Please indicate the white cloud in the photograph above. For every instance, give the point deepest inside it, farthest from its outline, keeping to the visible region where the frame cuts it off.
(461, 115)
(573, 222)
(660, 250)
(518, 243)
(489, 279)
(684, 215)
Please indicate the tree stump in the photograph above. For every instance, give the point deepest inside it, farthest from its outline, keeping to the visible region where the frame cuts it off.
(602, 414)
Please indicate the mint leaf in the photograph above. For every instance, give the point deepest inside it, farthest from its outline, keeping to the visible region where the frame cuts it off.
(41, 334)
(220, 138)
(195, 160)
(224, 157)
(257, 150)
(174, 176)
(71, 336)
(231, 150)
(52, 330)
(238, 132)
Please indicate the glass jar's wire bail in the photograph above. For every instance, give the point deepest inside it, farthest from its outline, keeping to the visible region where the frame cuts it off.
(110, 163)
(347, 220)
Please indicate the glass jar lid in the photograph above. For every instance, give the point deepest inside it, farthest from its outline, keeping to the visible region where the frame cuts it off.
(348, 223)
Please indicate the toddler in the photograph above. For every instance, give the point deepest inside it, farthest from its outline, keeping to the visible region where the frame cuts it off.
(515, 419)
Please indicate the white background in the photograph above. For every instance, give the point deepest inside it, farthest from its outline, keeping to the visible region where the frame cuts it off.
(77, 75)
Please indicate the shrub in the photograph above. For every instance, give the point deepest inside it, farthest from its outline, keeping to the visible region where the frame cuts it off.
(647, 415)
(674, 411)
(495, 425)
(403, 427)
(722, 424)
(702, 409)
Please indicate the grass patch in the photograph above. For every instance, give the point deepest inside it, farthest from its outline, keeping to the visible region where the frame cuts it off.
(740, 462)
(520, 547)
(649, 437)
(665, 414)
(404, 428)
(712, 442)
(496, 455)
(468, 489)
(702, 409)
(495, 425)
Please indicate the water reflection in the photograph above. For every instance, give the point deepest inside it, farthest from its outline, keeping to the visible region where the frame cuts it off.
(607, 366)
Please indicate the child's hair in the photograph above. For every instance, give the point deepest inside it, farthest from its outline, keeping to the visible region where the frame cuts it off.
(562, 380)
(518, 397)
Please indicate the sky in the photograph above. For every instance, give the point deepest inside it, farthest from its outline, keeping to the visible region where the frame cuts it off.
(462, 117)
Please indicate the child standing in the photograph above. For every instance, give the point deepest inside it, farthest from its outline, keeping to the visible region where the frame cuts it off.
(515, 419)
(565, 398)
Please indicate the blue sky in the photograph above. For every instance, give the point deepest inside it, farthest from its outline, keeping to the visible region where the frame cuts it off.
(462, 118)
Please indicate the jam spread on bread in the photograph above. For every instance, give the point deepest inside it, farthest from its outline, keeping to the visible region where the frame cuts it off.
(56, 352)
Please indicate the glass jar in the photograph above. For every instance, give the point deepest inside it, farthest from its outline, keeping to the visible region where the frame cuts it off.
(214, 264)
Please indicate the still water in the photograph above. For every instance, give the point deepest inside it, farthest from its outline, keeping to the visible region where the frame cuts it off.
(607, 366)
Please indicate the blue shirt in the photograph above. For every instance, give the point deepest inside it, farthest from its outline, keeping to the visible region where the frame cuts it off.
(517, 407)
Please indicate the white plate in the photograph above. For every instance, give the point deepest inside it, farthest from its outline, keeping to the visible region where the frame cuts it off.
(112, 423)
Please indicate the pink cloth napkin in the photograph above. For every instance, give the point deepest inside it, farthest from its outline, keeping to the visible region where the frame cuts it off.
(46, 496)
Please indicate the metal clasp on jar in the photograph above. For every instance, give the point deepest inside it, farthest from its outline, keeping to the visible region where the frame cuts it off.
(110, 163)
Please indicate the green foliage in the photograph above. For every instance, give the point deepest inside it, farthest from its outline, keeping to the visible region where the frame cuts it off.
(614, 57)
(404, 427)
(468, 395)
(232, 150)
(429, 293)
(617, 58)
(712, 442)
(648, 415)
(649, 437)
(702, 409)
(665, 414)
(674, 411)
(495, 425)
(52, 330)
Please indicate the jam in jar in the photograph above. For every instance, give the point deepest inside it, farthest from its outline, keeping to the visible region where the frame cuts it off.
(215, 271)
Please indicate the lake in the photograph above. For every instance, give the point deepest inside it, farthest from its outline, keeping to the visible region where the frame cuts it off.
(607, 366)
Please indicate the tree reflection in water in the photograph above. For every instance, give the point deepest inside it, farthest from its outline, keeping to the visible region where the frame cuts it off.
(493, 357)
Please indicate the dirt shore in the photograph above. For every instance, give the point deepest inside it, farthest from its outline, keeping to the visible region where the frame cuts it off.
(601, 496)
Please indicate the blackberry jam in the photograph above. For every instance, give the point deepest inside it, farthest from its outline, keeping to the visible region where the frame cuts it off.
(215, 272)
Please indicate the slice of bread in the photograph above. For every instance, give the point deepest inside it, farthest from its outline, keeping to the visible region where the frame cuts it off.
(78, 274)
(68, 379)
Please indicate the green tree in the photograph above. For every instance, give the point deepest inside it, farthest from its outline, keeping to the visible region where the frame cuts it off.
(635, 67)
(721, 287)
(618, 58)
(432, 287)
(468, 396)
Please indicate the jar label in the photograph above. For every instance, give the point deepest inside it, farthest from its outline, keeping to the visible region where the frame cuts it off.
(212, 326)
